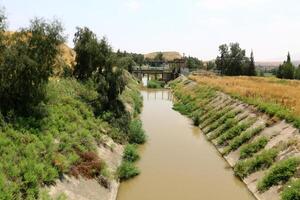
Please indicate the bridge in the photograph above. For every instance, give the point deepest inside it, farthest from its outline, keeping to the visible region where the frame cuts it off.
(167, 71)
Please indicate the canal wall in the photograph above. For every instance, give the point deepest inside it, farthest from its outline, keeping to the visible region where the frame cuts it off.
(256, 146)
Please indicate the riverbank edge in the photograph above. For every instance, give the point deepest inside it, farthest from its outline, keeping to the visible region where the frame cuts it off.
(274, 192)
(77, 188)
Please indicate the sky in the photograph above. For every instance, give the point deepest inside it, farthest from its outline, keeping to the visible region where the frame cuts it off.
(196, 28)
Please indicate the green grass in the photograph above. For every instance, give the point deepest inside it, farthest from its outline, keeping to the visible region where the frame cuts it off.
(291, 191)
(260, 161)
(249, 149)
(234, 131)
(245, 136)
(272, 108)
(229, 123)
(127, 170)
(217, 115)
(136, 132)
(279, 173)
(222, 120)
(130, 153)
(36, 152)
(155, 84)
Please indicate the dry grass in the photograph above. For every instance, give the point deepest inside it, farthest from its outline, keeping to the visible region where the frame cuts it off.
(168, 55)
(283, 92)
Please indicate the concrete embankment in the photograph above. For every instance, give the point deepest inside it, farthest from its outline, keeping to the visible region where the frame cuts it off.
(253, 143)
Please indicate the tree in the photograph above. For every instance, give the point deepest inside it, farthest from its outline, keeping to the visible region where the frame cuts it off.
(222, 60)
(251, 69)
(26, 65)
(232, 60)
(194, 63)
(96, 60)
(287, 69)
(126, 62)
(91, 54)
(297, 73)
(210, 65)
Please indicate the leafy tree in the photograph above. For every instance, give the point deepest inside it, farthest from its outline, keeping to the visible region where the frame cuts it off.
(232, 60)
(96, 60)
(210, 65)
(297, 73)
(126, 62)
(287, 69)
(137, 58)
(222, 60)
(26, 65)
(91, 54)
(194, 63)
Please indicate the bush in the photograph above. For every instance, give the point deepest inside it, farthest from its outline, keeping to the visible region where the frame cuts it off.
(281, 172)
(127, 170)
(136, 132)
(227, 117)
(229, 123)
(234, 131)
(241, 139)
(249, 149)
(261, 161)
(196, 117)
(215, 116)
(130, 153)
(291, 191)
(155, 84)
(185, 108)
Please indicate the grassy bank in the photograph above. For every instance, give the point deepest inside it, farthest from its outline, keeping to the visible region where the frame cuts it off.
(36, 151)
(245, 136)
(274, 96)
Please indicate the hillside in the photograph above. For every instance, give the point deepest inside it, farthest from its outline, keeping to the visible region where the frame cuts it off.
(168, 55)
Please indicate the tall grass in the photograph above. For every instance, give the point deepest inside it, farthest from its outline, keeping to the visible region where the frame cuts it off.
(235, 131)
(249, 149)
(260, 161)
(270, 95)
(245, 136)
(281, 172)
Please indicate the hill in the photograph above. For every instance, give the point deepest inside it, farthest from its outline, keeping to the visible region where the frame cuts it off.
(168, 55)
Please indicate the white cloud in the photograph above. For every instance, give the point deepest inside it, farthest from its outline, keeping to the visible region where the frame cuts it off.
(133, 5)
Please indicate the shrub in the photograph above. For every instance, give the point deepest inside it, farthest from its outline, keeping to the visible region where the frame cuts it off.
(196, 117)
(279, 173)
(136, 132)
(291, 191)
(222, 120)
(185, 108)
(155, 84)
(215, 116)
(229, 123)
(127, 170)
(130, 153)
(234, 131)
(88, 166)
(241, 139)
(261, 161)
(249, 149)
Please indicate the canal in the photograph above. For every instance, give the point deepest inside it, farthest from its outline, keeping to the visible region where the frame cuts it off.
(177, 162)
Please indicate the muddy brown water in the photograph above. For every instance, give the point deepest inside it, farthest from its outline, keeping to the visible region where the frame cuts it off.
(177, 162)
